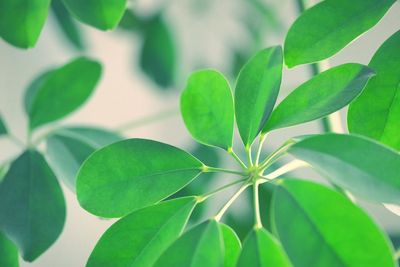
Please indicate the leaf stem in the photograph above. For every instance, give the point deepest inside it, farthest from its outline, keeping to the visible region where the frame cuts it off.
(236, 157)
(214, 169)
(260, 145)
(275, 155)
(291, 166)
(16, 140)
(231, 200)
(212, 193)
(257, 216)
(249, 157)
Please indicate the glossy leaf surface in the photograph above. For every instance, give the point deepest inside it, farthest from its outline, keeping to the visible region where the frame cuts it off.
(232, 245)
(320, 227)
(131, 174)
(207, 108)
(8, 252)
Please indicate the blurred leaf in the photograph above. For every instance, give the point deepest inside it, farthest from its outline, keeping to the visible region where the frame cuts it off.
(324, 94)
(158, 55)
(101, 14)
(142, 236)
(320, 227)
(200, 246)
(355, 163)
(32, 205)
(3, 171)
(21, 21)
(3, 128)
(132, 174)
(67, 148)
(207, 108)
(8, 252)
(256, 91)
(231, 244)
(324, 29)
(68, 26)
(57, 93)
(130, 21)
(376, 112)
(261, 249)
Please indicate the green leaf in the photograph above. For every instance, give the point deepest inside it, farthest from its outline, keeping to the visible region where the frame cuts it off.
(358, 164)
(376, 112)
(101, 14)
(207, 108)
(8, 252)
(200, 246)
(256, 91)
(141, 237)
(261, 249)
(130, 21)
(323, 30)
(132, 174)
(21, 21)
(231, 244)
(32, 206)
(158, 55)
(320, 227)
(324, 94)
(67, 148)
(67, 24)
(3, 128)
(59, 92)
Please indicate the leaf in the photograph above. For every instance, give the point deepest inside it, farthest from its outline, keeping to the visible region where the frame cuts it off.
(142, 236)
(158, 55)
(130, 21)
(21, 21)
(32, 205)
(324, 94)
(67, 24)
(101, 14)
(232, 245)
(355, 163)
(132, 174)
(3, 128)
(67, 148)
(376, 112)
(256, 91)
(8, 252)
(320, 227)
(59, 92)
(261, 249)
(207, 108)
(201, 246)
(326, 28)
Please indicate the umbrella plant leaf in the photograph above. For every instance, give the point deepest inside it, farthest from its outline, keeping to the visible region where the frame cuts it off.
(8, 252)
(3, 128)
(232, 245)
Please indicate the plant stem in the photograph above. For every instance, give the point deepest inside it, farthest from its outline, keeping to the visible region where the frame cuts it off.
(16, 140)
(257, 216)
(212, 193)
(260, 144)
(249, 158)
(148, 120)
(236, 157)
(214, 169)
(275, 155)
(230, 201)
(291, 166)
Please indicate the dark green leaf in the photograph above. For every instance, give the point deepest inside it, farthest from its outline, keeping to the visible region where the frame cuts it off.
(207, 108)
(323, 30)
(201, 246)
(101, 14)
(142, 236)
(130, 21)
(358, 164)
(8, 252)
(261, 249)
(324, 94)
(376, 112)
(32, 207)
(232, 245)
(158, 55)
(67, 24)
(131, 174)
(256, 91)
(320, 227)
(67, 148)
(3, 128)
(21, 21)
(59, 92)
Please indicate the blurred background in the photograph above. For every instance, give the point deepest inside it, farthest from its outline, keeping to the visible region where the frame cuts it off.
(146, 63)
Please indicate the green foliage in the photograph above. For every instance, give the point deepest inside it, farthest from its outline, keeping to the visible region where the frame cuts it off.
(376, 112)
(232, 246)
(256, 91)
(321, 228)
(322, 95)
(59, 92)
(3, 128)
(207, 108)
(132, 174)
(323, 30)
(32, 208)
(8, 252)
